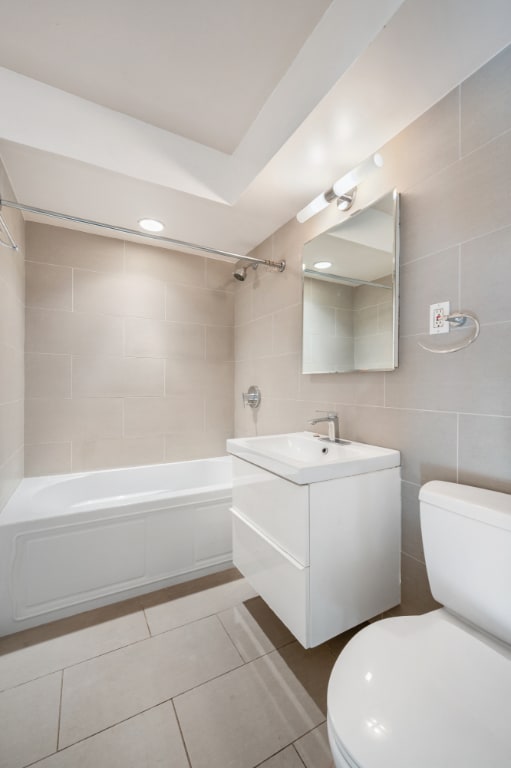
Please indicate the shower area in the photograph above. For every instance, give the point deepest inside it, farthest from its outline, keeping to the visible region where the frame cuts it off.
(128, 354)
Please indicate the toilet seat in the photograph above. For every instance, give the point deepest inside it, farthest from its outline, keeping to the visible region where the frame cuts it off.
(424, 692)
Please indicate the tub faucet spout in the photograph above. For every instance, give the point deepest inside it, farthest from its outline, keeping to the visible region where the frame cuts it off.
(333, 424)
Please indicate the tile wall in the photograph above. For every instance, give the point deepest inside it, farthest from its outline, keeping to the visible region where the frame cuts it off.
(450, 415)
(12, 333)
(129, 353)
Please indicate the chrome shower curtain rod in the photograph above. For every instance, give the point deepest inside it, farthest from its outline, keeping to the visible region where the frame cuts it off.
(279, 266)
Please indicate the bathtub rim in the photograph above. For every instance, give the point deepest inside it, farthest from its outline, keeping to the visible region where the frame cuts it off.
(20, 509)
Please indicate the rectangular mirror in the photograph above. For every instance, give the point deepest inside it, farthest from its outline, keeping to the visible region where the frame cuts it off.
(350, 293)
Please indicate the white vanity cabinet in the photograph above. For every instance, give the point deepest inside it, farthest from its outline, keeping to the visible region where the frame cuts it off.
(324, 556)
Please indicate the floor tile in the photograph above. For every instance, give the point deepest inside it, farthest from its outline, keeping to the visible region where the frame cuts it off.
(254, 632)
(312, 667)
(106, 690)
(178, 612)
(20, 664)
(314, 749)
(288, 758)
(244, 717)
(29, 716)
(145, 741)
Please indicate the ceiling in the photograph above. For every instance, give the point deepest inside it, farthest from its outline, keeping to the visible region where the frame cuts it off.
(220, 119)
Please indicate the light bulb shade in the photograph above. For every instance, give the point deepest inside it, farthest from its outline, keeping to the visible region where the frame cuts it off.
(352, 179)
(315, 206)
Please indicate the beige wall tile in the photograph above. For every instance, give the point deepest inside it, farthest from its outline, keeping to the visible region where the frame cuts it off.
(118, 294)
(219, 343)
(427, 281)
(219, 414)
(185, 380)
(47, 375)
(287, 331)
(117, 377)
(157, 416)
(428, 225)
(12, 317)
(143, 297)
(427, 439)
(206, 378)
(486, 276)
(11, 431)
(123, 452)
(165, 265)
(473, 380)
(219, 275)
(254, 339)
(243, 311)
(274, 291)
(10, 475)
(73, 333)
(49, 330)
(47, 459)
(278, 376)
(11, 374)
(486, 103)
(198, 305)
(484, 452)
(48, 287)
(64, 420)
(190, 445)
(155, 338)
(70, 248)
(422, 149)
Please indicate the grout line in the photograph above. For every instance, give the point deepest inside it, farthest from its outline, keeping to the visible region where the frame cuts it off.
(296, 751)
(181, 733)
(60, 708)
(147, 623)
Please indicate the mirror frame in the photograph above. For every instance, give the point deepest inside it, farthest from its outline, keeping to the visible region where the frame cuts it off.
(395, 293)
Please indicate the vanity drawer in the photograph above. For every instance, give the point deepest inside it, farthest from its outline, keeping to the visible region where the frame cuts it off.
(278, 508)
(282, 582)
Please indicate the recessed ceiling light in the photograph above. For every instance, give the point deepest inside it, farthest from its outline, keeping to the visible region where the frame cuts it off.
(150, 225)
(322, 264)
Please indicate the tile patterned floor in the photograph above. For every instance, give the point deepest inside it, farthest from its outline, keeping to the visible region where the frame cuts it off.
(199, 675)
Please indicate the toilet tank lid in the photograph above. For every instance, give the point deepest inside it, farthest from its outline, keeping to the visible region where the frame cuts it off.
(491, 507)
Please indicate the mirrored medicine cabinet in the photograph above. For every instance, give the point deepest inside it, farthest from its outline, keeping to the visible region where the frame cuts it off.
(350, 293)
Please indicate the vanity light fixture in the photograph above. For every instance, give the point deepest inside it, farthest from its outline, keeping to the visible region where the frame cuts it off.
(322, 264)
(343, 190)
(150, 225)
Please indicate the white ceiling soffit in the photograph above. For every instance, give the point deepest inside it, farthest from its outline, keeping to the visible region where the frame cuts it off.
(363, 73)
(199, 69)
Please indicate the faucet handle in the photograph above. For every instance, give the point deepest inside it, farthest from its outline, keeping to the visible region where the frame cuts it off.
(330, 414)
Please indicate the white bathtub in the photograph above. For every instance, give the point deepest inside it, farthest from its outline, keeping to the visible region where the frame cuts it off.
(69, 543)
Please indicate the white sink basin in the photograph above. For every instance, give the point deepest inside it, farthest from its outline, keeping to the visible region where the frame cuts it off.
(303, 458)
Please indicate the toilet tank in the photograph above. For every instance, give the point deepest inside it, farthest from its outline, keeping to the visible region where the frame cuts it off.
(467, 545)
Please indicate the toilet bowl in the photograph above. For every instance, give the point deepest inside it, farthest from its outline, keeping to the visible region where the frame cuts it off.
(433, 691)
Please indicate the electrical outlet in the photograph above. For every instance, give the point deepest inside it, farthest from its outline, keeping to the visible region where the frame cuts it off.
(437, 317)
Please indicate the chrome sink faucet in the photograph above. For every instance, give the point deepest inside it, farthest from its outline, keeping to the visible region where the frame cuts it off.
(333, 424)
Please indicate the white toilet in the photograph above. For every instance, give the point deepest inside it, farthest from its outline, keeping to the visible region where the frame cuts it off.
(434, 691)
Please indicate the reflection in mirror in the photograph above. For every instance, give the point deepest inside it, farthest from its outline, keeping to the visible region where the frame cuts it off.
(350, 293)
